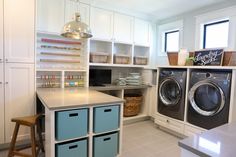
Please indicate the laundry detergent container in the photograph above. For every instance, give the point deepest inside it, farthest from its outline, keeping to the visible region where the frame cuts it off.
(71, 124)
(106, 118)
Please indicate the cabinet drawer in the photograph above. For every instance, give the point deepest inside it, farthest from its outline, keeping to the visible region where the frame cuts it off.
(106, 145)
(71, 124)
(106, 118)
(72, 149)
(170, 123)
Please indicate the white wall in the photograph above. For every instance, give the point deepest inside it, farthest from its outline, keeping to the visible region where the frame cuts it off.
(189, 22)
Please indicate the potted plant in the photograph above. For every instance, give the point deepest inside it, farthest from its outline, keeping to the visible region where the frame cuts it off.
(189, 61)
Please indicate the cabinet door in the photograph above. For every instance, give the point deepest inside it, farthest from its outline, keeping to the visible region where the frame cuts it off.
(123, 28)
(72, 7)
(1, 105)
(19, 22)
(19, 96)
(1, 31)
(141, 32)
(50, 15)
(101, 23)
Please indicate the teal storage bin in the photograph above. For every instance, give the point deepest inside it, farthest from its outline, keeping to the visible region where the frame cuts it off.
(106, 145)
(71, 124)
(72, 149)
(106, 118)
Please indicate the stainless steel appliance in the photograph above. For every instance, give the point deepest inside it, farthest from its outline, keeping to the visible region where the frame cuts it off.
(171, 93)
(209, 98)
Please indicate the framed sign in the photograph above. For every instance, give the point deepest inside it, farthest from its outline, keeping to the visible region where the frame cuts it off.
(208, 57)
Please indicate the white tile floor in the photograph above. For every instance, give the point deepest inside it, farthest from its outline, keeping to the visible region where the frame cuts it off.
(144, 139)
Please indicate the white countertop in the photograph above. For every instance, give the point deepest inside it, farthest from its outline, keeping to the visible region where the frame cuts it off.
(218, 142)
(58, 98)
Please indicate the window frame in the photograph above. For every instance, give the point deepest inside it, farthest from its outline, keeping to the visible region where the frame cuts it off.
(211, 24)
(169, 32)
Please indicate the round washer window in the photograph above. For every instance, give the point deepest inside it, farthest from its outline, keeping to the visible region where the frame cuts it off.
(206, 98)
(170, 92)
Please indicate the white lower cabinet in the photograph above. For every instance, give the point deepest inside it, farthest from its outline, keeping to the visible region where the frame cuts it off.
(170, 123)
(1, 105)
(19, 96)
(190, 130)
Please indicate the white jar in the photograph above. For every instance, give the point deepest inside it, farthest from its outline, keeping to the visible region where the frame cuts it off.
(182, 56)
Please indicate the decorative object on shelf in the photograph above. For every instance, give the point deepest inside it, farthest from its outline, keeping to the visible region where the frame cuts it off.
(189, 61)
(173, 58)
(134, 79)
(59, 47)
(121, 81)
(76, 29)
(60, 60)
(229, 58)
(121, 59)
(182, 56)
(132, 104)
(60, 41)
(140, 60)
(99, 57)
(209, 57)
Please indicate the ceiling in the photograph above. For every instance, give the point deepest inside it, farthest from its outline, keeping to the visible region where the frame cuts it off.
(158, 9)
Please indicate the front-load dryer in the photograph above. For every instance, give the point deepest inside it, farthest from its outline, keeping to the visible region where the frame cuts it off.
(171, 92)
(209, 98)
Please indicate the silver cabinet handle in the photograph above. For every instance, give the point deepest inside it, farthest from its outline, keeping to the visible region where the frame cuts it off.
(0, 60)
(6, 60)
(6, 82)
(0, 82)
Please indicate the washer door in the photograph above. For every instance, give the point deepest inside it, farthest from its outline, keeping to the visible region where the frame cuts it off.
(170, 92)
(206, 98)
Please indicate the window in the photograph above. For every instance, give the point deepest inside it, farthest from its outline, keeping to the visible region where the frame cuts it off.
(216, 34)
(172, 41)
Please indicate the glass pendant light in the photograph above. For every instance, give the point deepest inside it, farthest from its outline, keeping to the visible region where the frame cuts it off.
(76, 29)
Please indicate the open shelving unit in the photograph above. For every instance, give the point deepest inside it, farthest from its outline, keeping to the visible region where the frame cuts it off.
(119, 54)
(61, 62)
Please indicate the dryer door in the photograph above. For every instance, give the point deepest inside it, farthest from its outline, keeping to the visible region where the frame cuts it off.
(169, 92)
(206, 98)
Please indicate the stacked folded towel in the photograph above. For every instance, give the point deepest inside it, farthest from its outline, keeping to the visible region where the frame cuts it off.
(134, 79)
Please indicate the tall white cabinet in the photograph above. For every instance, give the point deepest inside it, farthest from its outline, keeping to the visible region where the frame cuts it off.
(19, 95)
(101, 23)
(17, 89)
(50, 15)
(1, 105)
(141, 32)
(1, 31)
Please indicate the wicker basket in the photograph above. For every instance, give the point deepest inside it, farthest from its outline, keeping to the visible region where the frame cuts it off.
(140, 60)
(132, 105)
(121, 59)
(99, 57)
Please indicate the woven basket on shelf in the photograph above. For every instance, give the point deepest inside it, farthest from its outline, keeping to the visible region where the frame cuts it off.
(132, 105)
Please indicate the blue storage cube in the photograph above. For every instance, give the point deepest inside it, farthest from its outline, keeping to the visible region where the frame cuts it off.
(106, 118)
(73, 149)
(106, 145)
(71, 124)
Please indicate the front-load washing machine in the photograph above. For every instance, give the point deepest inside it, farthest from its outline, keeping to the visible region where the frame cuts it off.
(171, 92)
(209, 98)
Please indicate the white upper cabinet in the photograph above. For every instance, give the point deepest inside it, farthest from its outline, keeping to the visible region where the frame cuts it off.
(101, 23)
(123, 28)
(19, 95)
(19, 32)
(72, 7)
(1, 105)
(50, 15)
(1, 31)
(141, 32)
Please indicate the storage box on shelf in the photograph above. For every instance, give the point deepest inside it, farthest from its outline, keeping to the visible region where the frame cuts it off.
(61, 62)
(140, 60)
(100, 51)
(121, 59)
(122, 53)
(141, 55)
